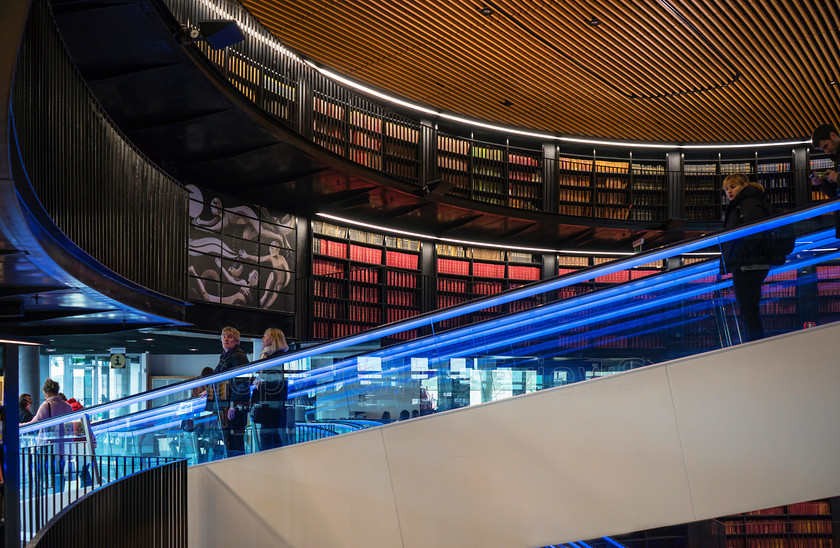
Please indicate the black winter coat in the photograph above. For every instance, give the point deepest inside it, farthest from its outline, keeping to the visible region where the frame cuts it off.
(748, 206)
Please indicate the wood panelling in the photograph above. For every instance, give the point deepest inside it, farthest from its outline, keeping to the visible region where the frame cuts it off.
(660, 70)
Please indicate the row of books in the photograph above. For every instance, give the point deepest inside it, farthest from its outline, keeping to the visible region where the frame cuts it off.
(327, 108)
(620, 212)
(614, 183)
(402, 151)
(527, 176)
(408, 299)
(372, 160)
(812, 527)
(488, 153)
(640, 214)
(402, 279)
(773, 167)
(321, 267)
(521, 159)
(610, 197)
(359, 139)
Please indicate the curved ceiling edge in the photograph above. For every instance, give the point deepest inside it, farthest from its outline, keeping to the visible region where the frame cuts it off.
(30, 229)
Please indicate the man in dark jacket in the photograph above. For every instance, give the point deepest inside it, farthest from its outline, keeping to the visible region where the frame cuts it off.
(231, 357)
(826, 139)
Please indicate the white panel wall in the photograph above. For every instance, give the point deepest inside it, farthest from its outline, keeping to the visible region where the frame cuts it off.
(733, 430)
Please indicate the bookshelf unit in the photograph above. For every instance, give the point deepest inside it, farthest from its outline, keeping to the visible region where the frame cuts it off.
(525, 168)
(489, 173)
(453, 163)
(329, 119)
(800, 525)
(401, 149)
(574, 186)
(648, 191)
(703, 198)
(362, 280)
(465, 273)
(612, 184)
(366, 139)
(777, 179)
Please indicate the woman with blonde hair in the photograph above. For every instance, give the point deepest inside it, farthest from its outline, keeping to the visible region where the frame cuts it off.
(745, 258)
(274, 341)
(268, 404)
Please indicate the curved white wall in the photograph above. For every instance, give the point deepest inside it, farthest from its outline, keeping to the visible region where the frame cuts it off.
(728, 431)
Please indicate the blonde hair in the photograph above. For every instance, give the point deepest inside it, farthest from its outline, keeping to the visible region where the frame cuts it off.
(278, 342)
(737, 178)
(233, 331)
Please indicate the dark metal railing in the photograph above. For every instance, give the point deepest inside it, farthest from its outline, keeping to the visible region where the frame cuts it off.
(69, 498)
(103, 194)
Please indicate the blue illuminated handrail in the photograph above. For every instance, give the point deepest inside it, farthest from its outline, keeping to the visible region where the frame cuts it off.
(682, 248)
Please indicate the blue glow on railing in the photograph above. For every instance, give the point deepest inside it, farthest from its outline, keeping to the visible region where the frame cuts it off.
(614, 543)
(430, 318)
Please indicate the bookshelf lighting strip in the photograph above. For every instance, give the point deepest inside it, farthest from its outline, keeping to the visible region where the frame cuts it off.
(492, 245)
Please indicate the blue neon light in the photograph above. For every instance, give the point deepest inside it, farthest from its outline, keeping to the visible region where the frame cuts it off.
(473, 306)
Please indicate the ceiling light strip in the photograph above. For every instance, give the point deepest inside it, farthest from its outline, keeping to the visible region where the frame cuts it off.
(269, 40)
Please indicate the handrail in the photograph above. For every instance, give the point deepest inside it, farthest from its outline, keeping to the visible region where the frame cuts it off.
(427, 318)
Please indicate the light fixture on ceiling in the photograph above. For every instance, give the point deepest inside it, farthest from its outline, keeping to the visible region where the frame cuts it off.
(593, 22)
(506, 103)
(485, 10)
(832, 81)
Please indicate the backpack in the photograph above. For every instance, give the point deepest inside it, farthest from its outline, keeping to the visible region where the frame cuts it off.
(779, 242)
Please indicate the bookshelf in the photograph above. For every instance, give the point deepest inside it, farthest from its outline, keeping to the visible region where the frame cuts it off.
(525, 169)
(401, 149)
(777, 179)
(648, 192)
(464, 273)
(329, 118)
(362, 280)
(366, 139)
(612, 184)
(703, 198)
(453, 163)
(800, 525)
(574, 186)
(489, 173)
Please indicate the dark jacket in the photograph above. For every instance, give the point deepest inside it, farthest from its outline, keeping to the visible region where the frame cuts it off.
(237, 390)
(830, 190)
(748, 206)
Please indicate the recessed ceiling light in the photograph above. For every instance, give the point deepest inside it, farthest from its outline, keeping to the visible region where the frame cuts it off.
(593, 22)
(832, 82)
(486, 10)
(194, 349)
(148, 339)
(506, 103)
(130, 340)
(50, 349)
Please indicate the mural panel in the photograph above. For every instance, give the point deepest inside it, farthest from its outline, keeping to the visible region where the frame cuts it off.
(240, 254)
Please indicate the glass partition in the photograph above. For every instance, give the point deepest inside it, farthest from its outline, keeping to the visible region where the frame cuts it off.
(534, 337)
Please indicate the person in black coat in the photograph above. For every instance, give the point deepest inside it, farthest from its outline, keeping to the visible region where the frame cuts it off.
(237, 392)
(745, 258)
(269, 396)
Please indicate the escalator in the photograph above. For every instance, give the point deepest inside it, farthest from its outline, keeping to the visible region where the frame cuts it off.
(676, 420)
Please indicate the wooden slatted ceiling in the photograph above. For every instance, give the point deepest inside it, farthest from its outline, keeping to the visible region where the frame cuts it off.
(656, 70)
